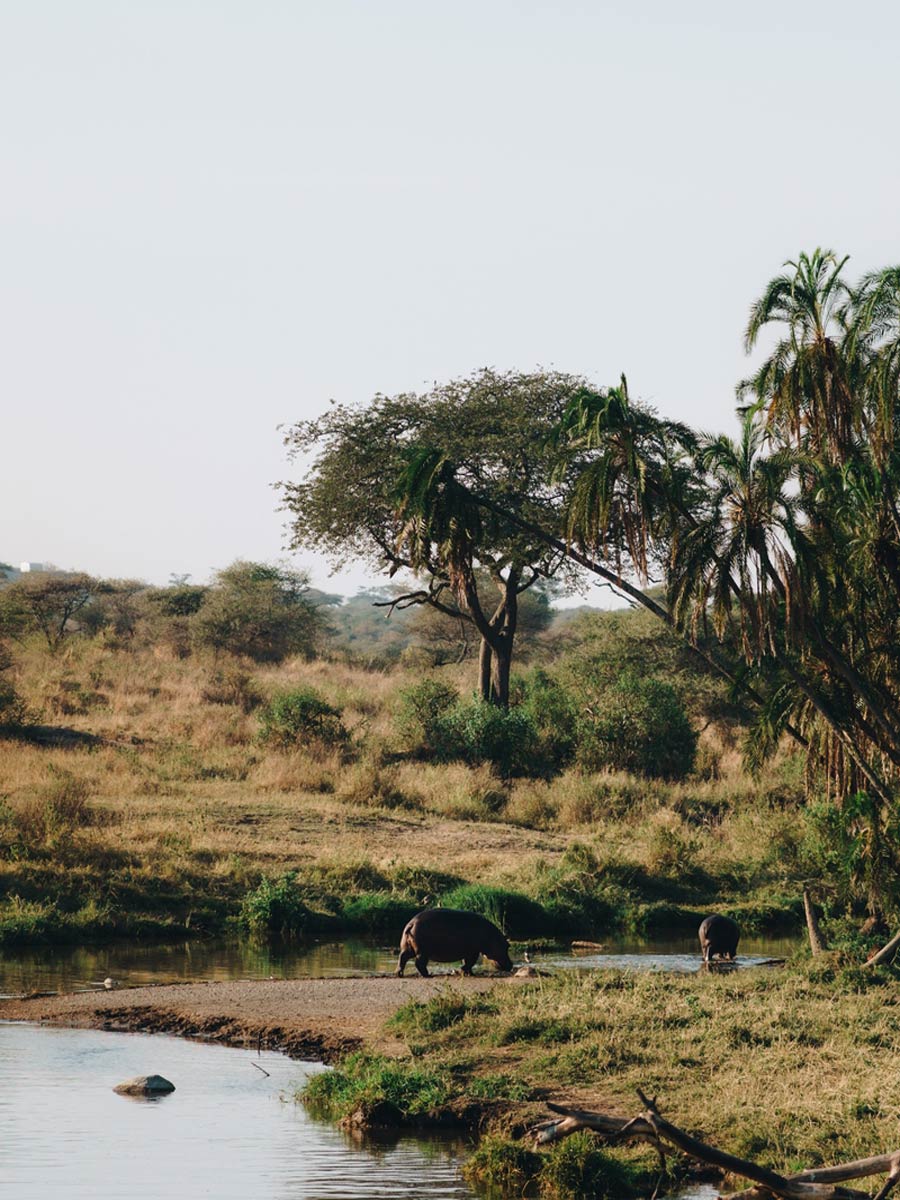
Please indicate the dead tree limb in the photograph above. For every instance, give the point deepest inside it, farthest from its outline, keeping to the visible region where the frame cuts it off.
(818, 1184)
(886, 953)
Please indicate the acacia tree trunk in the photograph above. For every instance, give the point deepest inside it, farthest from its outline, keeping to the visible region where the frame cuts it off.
(497, 634)
(502, 650)
(485, 668)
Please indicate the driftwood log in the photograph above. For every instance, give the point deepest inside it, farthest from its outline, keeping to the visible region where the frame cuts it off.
(649, 1126)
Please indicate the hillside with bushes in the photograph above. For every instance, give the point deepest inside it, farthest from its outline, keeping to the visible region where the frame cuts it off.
(157, 782)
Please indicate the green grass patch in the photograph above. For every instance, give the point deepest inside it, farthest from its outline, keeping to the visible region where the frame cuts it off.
(381, 1090)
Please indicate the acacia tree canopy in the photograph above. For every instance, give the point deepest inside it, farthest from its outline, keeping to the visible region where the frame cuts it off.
(496, 428)
(258, 610)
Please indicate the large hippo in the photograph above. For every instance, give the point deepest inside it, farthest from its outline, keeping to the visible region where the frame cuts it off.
(448, 935)
(718, 937)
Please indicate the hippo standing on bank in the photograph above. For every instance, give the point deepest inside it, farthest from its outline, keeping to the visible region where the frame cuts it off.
(448, 935)
(718, 937)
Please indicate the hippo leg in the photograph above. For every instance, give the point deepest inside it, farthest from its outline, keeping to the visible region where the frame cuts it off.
(422, 966)
(405, 956)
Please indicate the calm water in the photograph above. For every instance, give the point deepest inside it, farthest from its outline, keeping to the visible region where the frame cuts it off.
(68, 969)
(227, 1130)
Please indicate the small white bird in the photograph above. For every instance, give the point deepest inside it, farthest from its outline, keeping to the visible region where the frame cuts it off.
(109, 983)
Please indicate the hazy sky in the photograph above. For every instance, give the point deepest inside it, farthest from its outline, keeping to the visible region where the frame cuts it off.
(216, 216)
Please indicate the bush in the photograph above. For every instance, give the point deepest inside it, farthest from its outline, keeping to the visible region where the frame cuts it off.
(382, 1090)
(420, 716)
(261, 611)
(513, 913)
(233, 687)
(482, 733)
(641, 727)
(301, 716)
(13, 710)
(536, 737)
(275, 907)
(60, 808)
(553, 712)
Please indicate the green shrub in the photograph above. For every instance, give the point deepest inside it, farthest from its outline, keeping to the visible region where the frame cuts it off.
(262, 611)
(420, 713)
(377, 1087)
(553, 712)
(578, 1167)
(641, 726)
(13, 710)
(483, 733)
(298, 717)
(498, 1164)
(275, 907)
(513, 913)
(376, 910)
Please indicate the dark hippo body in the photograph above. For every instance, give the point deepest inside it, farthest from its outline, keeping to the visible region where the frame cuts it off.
(718, 937)
(450, 935)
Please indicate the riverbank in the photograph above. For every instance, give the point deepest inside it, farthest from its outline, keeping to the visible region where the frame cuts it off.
(790, 1067)
(306, 1018)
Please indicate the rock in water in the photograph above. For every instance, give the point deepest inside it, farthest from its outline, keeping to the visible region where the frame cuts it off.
(145, 1085)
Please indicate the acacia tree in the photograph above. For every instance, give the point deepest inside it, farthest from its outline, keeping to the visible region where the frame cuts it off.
(49, 602)
(259, 610)
(467, 563)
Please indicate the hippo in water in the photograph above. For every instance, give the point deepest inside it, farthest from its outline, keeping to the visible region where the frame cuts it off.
(718, 937)
(448, 935)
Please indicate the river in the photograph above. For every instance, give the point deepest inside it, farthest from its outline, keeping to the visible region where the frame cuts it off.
(132, 964)
(228, 1130)
(231, 1128)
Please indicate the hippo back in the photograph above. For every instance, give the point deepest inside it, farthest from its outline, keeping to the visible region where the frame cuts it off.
(448, 934)
(720, 934)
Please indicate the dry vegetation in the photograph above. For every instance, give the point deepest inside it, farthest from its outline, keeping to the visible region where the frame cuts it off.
(174, 810)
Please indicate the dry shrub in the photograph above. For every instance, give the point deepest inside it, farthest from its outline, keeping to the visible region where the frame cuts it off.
(233, 686)
(61, 807)
(671, 849)
(478, 796)
(533, 805)
(370, 782)
(593, 799)
(312, 769)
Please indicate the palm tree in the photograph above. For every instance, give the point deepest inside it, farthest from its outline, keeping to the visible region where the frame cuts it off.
(636, 479)
(805, 386)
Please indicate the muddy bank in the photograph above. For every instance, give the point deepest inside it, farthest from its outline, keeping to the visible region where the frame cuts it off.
(305, 1018)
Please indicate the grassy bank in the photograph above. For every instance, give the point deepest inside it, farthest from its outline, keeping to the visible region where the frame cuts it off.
(792, 1068)
(174, 817)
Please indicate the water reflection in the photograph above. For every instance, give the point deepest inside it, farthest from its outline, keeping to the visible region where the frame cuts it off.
(131, 964)
(227, 1131)
(670, 954)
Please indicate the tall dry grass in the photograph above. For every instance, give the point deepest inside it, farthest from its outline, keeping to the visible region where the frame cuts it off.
(180, 788)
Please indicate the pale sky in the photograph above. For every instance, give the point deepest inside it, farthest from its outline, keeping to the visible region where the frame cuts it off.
(218, 215)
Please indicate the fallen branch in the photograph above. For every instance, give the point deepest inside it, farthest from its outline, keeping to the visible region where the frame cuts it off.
(819, 1184)
(886, 953)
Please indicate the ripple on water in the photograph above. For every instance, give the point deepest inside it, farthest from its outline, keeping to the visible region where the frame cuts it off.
(227, 1131)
